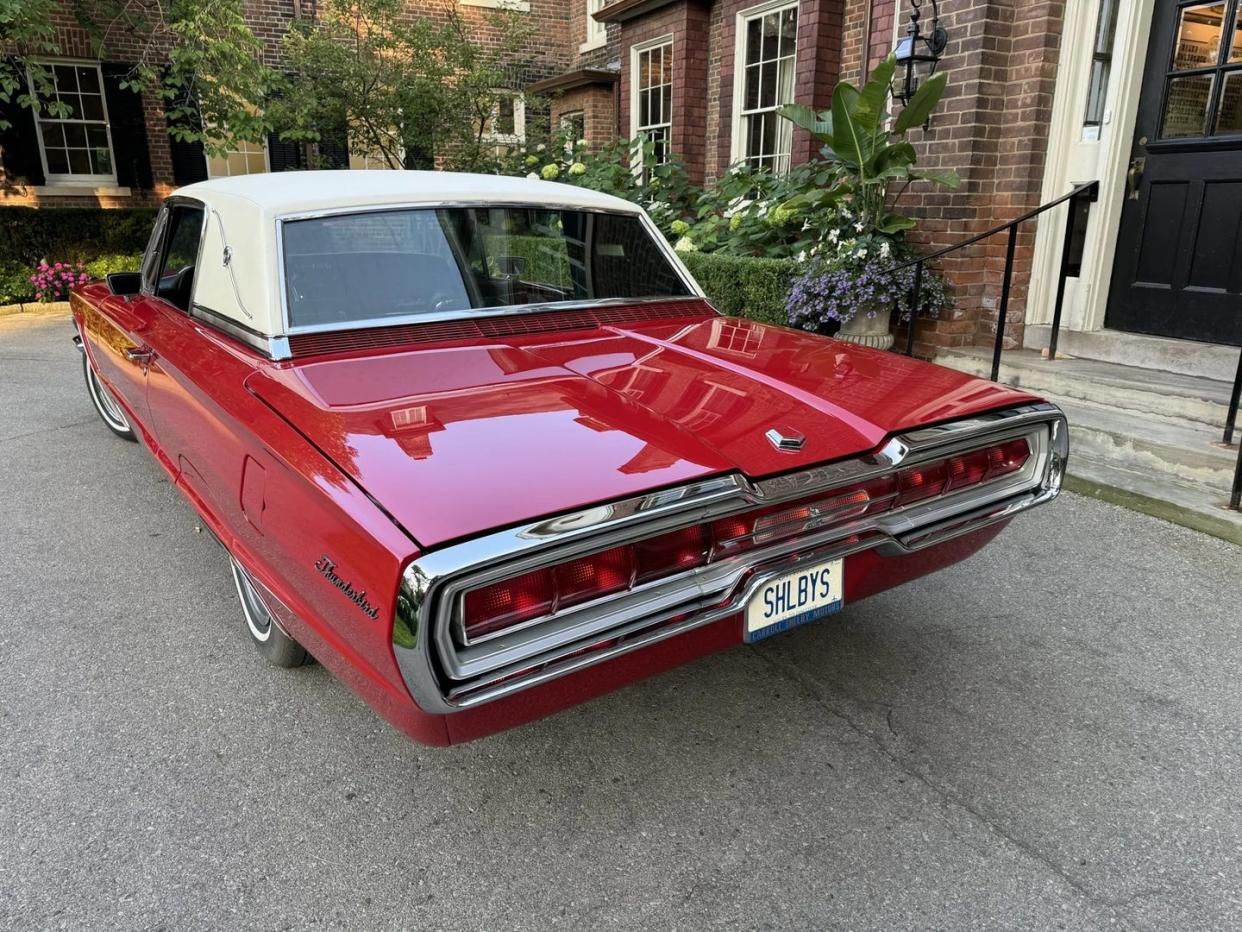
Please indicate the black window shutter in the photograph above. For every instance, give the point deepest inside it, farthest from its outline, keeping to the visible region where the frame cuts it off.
(19, 143)
(189, 161)
(284, 156)
(129, 128)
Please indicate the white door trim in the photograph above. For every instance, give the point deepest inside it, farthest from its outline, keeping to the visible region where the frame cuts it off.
(1071, 160)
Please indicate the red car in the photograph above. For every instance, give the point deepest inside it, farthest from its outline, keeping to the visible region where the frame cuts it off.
(480, 446)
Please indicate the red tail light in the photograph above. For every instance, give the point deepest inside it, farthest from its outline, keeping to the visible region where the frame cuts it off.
(511, 602)
(532, 595)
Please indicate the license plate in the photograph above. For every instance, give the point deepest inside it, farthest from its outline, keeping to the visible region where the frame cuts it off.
(794, 599)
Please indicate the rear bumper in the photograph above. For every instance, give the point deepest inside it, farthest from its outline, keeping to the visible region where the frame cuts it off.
(559, 663)
(866, 573)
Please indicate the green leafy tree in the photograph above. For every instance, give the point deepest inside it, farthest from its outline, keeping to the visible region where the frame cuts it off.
(870, 155)
(404, 89)
(199, 56)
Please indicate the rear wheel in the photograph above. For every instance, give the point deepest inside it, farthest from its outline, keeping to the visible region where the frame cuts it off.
(277, 647)
(108, 408)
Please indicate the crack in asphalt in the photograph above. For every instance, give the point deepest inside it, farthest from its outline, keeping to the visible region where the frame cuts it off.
(47, 430)
(801, 679)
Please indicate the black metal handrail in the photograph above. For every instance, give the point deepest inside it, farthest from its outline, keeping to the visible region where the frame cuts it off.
(1231, 420)
(1088, 192)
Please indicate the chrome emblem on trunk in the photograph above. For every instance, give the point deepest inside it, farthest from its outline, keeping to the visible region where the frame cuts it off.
(786, 438)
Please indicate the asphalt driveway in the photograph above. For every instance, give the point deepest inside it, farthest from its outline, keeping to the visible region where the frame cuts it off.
(1047, 736)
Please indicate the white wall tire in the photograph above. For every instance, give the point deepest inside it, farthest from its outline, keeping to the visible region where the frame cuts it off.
(106, 406)
(277, 647)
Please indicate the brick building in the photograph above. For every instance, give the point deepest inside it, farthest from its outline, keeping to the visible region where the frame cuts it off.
(120, 153)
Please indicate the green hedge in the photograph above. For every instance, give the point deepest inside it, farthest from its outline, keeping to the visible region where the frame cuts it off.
(73, 234)
(743, 286)
(106, 240)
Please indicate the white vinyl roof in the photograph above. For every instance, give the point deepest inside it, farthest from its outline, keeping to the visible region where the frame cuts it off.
(279, 193)
(243, 214)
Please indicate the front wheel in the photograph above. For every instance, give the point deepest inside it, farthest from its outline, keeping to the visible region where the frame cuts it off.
(277, 647)
(108, 408)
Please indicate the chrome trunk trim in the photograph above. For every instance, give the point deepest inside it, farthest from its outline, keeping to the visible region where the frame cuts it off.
(445, 672)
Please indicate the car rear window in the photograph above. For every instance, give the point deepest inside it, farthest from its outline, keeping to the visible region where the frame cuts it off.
(363, 267)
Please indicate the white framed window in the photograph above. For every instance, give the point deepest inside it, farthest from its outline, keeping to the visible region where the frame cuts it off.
(507, 123)
(248, 158)
(596, 32)
(75, 142)
(763, 80)
(651, 97)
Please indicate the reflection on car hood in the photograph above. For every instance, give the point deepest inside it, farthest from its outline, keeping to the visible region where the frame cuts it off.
(457, 439)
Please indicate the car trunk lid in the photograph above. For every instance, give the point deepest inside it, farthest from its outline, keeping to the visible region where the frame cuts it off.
(456, 439)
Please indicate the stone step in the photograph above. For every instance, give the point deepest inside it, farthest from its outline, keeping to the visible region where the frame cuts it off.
(1189, 505)
(1172, 396)
(1184, 357)
(1187, 453)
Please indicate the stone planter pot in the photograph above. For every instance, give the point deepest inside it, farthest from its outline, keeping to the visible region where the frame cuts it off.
(867, 330)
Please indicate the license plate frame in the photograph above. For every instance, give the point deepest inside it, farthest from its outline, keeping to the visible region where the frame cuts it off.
(795, 598)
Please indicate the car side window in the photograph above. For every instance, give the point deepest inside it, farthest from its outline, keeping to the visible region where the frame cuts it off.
(176, 277)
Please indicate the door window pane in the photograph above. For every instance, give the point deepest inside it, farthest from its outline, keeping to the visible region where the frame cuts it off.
(1198, 36)
(1235, 47)
(1185, 107)
(1229, 114)
(1101, 64)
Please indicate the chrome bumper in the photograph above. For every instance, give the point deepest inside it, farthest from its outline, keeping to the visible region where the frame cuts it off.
(445, 675)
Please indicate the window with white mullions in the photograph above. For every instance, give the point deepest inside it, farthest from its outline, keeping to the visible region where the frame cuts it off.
(72, 123)
(653, 100)
(764, 81)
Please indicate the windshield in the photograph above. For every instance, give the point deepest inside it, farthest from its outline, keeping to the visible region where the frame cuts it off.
(359, 267)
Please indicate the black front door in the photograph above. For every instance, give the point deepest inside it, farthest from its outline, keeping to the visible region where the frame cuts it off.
(1178, 270)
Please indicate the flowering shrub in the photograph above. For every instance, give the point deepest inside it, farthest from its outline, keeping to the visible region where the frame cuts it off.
(852, 273)
(749, 213)
(52, 282)
(662, 190)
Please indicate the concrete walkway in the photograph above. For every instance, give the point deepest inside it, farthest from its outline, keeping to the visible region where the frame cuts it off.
(1048, 736)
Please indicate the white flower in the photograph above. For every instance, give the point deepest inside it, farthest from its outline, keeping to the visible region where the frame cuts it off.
(884, 250)
(859, 226)
(802, 256)
(833, 236)
(540, 148)
(861, 254)
(736, 205)
(533, 176)
(806, 225)
(582, 142)
(685, 244)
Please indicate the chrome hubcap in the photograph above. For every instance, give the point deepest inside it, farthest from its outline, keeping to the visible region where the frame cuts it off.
(107, 405)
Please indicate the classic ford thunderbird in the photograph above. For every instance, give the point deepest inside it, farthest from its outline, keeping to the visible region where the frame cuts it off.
(481, 447)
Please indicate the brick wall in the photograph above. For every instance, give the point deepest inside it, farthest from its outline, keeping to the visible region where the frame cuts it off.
(687, 23)
(598, 105)
(991, 128)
